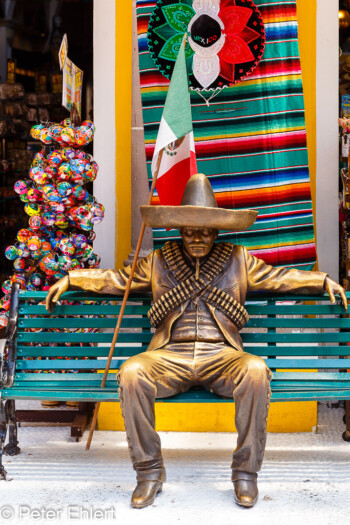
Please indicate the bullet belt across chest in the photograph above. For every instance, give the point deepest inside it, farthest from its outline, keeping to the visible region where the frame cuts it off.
(190, 288)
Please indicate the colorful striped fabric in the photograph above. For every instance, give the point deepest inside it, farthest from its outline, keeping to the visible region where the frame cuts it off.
(250, 141)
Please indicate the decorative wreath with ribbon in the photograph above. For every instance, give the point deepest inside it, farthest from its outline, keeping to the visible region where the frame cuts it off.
(225, 39)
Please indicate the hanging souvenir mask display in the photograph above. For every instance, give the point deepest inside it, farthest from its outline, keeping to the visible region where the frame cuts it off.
(59, 211)
(65, 134)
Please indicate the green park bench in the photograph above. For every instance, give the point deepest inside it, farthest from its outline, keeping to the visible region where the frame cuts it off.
(292, 333)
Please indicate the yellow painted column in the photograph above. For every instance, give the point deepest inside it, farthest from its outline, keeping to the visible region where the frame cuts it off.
(123, 58)
(307, 25)
(307, 21)
(202, 417)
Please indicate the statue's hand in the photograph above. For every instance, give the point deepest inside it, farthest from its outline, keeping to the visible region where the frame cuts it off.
(333, 288)
(55, 293)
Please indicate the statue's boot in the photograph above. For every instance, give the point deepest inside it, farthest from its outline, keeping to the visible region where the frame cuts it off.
(246, 488)
(145, 493)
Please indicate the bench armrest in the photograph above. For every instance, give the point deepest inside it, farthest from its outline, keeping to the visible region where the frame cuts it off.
(8, 363)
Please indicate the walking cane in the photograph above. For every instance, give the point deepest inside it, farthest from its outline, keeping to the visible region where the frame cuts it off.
(125, 298)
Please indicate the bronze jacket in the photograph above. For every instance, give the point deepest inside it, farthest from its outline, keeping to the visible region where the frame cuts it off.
(243, 273)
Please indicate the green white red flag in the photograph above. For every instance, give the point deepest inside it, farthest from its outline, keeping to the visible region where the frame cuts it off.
(175, 138)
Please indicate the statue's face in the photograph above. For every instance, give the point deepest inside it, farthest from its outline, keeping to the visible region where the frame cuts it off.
(198, 241)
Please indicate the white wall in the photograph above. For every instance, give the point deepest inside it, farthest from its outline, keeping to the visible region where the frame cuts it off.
(104, 118)
(327, 87)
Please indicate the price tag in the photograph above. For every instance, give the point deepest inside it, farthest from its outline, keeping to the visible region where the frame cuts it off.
(62, 55)
(72, 79)
(72, 86)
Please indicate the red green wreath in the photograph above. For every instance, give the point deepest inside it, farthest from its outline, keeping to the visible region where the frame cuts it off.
(226, 39)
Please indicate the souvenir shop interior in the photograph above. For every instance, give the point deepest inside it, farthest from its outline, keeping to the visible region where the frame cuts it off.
(31, 93)
(344, 111)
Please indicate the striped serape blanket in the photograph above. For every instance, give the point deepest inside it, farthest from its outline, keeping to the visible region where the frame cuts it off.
(250, 141)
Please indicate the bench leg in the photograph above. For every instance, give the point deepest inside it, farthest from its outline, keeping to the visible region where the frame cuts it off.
(3, 430)
(11, 448)
(346, 434)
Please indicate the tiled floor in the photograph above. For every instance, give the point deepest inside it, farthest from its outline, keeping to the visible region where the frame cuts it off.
(305, 479)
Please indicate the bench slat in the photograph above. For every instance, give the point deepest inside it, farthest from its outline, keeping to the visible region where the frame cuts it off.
(276, 386)
(146, 337)
(69, 351)
(301, 350)
(94, 376)
(66, 385)
(55, 395)
(192, 396)
(256, 296)
(72, 337)
(300, 322)
(81, 364)
(311, 376)
(307, 363)
(110, 309)
(283, 377)
(297, 309)
(97, 309)
(67, 364)
(77, 322)
(103, 351)
(110, 322)
(63, 377)
(320, 337)
(81, 296)
(326, 395)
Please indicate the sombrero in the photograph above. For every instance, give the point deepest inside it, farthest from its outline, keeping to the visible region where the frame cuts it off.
(198, 209)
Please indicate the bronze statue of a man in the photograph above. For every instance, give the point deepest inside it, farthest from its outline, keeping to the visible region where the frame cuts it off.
(199, 289)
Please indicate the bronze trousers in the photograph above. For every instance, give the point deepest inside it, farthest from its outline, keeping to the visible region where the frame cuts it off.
(174, 369)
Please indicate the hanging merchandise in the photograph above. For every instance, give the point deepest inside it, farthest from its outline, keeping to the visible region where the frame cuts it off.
(251, 140)
(72, 79)
(61, 213)
(344, 123)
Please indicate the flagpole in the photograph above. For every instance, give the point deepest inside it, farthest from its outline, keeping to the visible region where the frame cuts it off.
(125, 298)
(127, 290)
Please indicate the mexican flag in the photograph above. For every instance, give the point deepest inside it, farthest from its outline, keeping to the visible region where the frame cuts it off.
(174, 151)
